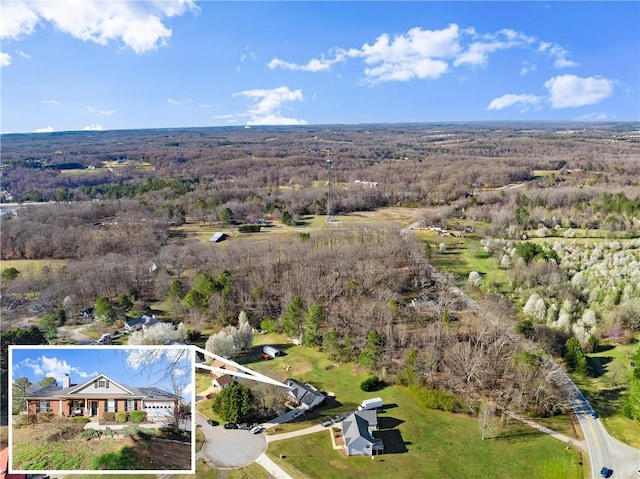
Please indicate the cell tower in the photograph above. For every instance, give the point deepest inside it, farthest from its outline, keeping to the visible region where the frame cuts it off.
(330, 218)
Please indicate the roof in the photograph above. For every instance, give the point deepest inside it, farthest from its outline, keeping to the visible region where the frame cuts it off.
(369, 415)
(217, 237)
(304, 394)
(355, 427)
(144, 319)
(75, 390)
(223, 380)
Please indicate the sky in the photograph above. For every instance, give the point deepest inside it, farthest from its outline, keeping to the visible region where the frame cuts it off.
(109, 64)
(122, 365)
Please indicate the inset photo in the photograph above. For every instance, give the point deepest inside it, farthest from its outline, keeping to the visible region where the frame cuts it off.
(101, 409)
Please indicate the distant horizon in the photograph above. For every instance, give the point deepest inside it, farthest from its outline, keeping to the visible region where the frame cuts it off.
(129, 65)
(345, 125)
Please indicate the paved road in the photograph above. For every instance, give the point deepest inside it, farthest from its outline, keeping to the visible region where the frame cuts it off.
(604, 450)
(76, 336)
(229, 448)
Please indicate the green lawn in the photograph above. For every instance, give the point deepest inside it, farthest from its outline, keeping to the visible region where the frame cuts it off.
(607, 390)
(30, 267)
(432, 444)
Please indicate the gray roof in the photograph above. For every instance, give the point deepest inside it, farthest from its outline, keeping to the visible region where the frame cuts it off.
(58, 391)
(218, 237)
(304, 393)
(355, 427)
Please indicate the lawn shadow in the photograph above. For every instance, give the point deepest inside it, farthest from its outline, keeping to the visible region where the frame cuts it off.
(597, 365)
(392, 440)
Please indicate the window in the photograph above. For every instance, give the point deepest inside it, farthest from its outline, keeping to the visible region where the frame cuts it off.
(43, 406)
(102, 383)
(111, 405)
(130, 405)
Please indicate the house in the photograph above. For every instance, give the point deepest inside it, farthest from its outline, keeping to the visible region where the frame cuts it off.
(143, 322)
(218, 237)
(271, 351)
(304, 395)
(356, 431)
(87, 313)
(223, 382)
(99, 395)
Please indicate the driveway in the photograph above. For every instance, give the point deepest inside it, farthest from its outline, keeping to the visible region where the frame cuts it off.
(229, 448)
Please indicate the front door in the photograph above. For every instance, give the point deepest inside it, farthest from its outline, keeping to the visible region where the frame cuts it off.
(94, 408)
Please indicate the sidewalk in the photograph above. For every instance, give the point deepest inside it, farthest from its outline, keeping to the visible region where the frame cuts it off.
(271, 467)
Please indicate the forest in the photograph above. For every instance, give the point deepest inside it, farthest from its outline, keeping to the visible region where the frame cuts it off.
(556, 207)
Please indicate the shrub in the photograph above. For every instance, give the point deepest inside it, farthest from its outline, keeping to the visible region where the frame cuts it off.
(44, 417)
(369, 384)
(109, 416)
(108, 432)
(80, 419)
(121, 417)
(31, 419)
(89, 434)
(137, 416)
(268, 324)
(436, 399)
(249, 228)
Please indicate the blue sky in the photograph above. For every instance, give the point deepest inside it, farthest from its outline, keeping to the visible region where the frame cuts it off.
(81, 64)
(121, 364)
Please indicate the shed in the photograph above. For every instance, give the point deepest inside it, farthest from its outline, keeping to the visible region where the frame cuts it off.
(223, 382)
(271, 351)
(218, 237)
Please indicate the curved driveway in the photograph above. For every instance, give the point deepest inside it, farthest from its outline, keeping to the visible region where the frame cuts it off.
(229, 448)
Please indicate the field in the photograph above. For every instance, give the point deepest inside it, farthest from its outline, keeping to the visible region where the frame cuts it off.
(29, 267)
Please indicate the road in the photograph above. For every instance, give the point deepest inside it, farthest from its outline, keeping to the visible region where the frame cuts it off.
(603, 449)
(75, 336)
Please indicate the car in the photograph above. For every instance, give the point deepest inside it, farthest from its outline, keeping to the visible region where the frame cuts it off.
(605, 472)
(327, 423)
(257, 429)
(244, 426)
(593, 414)
(211, 422)
(337, 418)
(297, 413)
(230, 425)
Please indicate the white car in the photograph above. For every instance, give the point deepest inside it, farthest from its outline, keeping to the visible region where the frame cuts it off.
(257, 429)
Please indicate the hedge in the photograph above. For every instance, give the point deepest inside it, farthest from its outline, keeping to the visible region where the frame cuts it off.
(109, 416)
(80, 419)
(121, 417)
(137, 416)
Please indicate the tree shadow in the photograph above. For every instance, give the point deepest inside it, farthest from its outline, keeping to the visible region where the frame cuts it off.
(597, 365)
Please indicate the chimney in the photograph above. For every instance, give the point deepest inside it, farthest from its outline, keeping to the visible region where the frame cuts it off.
(66, 382)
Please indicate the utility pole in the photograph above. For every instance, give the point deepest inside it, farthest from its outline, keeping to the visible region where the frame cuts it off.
(330, 218)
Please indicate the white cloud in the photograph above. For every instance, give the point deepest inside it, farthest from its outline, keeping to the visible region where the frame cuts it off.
(558, 53)
(52, 102)
(313, 65)
(171, 101)
(510, 99)
(206, 105)
(91, 109)
(266, 109)
(54, 367)
(138, 25)
(572, 91)
(23, 54)
(595, 116)
(5, 59)
(477, 54)
(93, 127)
(416, 54)
(46, 129)
(527, 67)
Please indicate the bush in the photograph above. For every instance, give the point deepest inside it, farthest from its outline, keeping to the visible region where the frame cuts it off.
(108, 432)
(44, 417)
(436, 399)
(121, 417)
(249, 228)
(369, 384)
(31, 419)
(90, 434)
(130, 431)
(268, 324)
(80, 419)
(137, 416)
(109, 416)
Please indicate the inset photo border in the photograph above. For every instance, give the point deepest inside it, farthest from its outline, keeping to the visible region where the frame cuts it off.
(102, 409)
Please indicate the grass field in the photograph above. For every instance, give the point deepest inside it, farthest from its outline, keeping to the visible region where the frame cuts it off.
(30, 267)
(606, 388)
(462, 256)
(429, 443)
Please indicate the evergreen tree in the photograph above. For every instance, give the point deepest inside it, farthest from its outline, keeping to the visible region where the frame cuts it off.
(372, 350)
(234, 403)
(292, 318)
(312, 320)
